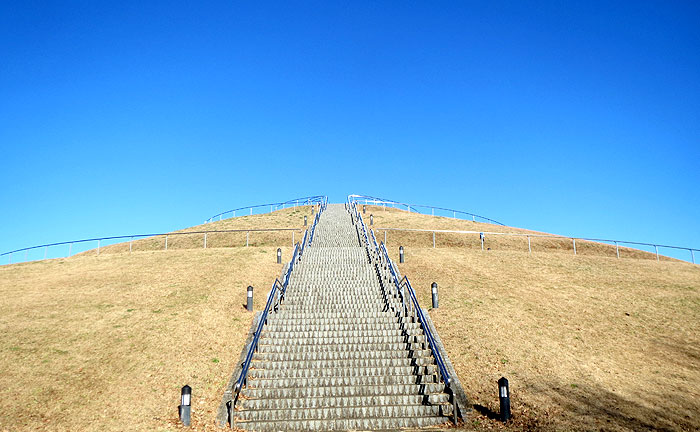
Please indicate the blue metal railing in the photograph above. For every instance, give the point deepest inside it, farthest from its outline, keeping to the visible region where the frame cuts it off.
(279, 288)
(379, 201)
(400, 285)
(315, 199)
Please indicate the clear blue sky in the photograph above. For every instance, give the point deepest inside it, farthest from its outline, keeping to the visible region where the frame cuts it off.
(578, 118)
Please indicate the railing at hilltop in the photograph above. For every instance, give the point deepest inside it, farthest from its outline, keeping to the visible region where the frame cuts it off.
(365, 199)
(310, 200)
(606, 242)
(320, 200)
(368, 200)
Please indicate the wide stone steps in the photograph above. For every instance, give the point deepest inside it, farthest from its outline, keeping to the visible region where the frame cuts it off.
(338, 354)
(346, 412)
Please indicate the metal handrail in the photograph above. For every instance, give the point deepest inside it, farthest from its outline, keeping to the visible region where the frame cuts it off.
(431, 340)
(376, 200)
(414, 300)
(282, 286)
(314, 199)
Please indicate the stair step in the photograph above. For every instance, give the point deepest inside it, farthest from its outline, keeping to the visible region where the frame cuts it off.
(327, 402)
(344, 424)
(351, 412)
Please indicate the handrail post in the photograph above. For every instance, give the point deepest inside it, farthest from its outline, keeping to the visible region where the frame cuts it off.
(246, 238)
(166, 242)
(529, 247)
(205, 240)
(574, 245)
(656, 248)
(617, 250)
(692, 255)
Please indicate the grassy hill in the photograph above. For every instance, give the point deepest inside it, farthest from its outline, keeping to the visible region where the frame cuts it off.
(587, 341)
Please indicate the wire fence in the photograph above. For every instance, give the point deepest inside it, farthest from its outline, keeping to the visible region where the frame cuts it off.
(433, 210)
(485, 241)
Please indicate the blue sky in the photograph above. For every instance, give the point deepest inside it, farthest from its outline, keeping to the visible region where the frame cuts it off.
(578, 118)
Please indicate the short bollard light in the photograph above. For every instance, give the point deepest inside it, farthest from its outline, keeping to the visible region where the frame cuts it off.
(304, 220)
(433, 290)
(249, 302)
(279, 255)
(371, 219)
(504, 398)
(185, 405)
(401, 254)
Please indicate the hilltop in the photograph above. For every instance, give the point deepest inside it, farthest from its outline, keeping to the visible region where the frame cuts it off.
(588, 341)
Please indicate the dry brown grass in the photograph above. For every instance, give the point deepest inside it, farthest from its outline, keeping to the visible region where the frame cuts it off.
(105, 343)
(588, 342)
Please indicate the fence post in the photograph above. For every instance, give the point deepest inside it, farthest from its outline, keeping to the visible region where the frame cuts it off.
(234, 213)
(692, 255)
(574, 246)
(432, 211)
(98, 247)
(205, 240)
(384, 236)
(473, 218)
(166, 242)
(529, 247)
(454, 215)
(656, 248)
(246, 238)
(131, 240)
(433, 239)
(481, 236)
(251, 211)
(617, 250)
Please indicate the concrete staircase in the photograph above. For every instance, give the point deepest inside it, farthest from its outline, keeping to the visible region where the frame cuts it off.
(340, 353)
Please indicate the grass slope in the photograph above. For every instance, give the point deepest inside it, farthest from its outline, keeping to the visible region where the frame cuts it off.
(105, 342)
(588, 341)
